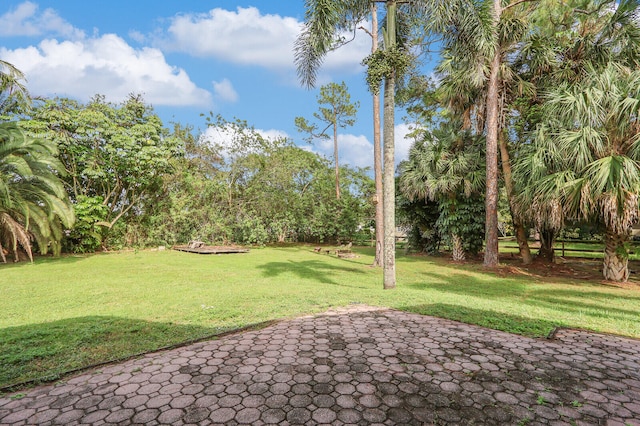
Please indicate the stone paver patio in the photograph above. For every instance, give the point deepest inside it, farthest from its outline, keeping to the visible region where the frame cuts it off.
(357, 366)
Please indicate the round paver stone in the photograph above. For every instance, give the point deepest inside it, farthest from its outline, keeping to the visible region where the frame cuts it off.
(299, 416)
(90, 418)
(300, 401)
(247, 416)
(349, 415)
(68, 417)
(170, 416)
(273, 415)
(195, 415)
(120, 415)
(222, 415)
(146, 416)
(324, 415)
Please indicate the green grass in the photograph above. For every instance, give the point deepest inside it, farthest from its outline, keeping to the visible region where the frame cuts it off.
(61, 314)
(592, 250)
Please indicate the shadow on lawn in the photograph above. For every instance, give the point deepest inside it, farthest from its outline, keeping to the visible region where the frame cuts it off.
(316, 270)
(581, 298)
(43, 352)
(533, 327)
(65, 259)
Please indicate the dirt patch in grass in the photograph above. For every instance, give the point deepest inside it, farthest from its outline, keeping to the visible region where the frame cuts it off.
(573, 268)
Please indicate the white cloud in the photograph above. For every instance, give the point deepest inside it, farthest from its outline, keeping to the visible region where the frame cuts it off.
(354, 150)
(25, 20)
(224, 91)
(247, 37)
(272, 134)
(106, 65)
(226, 137)
(402, 142)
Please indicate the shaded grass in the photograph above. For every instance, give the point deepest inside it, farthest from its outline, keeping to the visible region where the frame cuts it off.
(61, 314)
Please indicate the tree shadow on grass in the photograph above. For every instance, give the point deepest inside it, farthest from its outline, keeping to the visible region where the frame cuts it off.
(581, 298)
(316, 270)
(532, 327)
(44, 352)
(66, 259)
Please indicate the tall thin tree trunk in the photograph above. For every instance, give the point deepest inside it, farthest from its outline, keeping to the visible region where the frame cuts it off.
(335, 156)
(389, 187)
(493, 117)
(616, 259)
(521, 234)
(377, 150)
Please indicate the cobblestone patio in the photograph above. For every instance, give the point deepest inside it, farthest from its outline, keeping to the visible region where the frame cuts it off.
(356, 366)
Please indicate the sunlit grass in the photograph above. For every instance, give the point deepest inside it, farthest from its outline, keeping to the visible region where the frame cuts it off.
(60, 314)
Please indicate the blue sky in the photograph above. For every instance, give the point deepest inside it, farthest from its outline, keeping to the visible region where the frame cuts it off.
(190, 57)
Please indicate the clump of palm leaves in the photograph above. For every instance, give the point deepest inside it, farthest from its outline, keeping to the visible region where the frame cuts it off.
(34, 206)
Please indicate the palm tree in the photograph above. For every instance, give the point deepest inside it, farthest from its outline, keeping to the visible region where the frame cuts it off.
(324, 23)
(569, 38)
(445, 166)
(479, 37)
(596, 137)
(33, 201)
(13, 92)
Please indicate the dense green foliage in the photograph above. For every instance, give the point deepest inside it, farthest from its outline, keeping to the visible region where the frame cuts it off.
(134, 183)
(33, 203)
(235, 186)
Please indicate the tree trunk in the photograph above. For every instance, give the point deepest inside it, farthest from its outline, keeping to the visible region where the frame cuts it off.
(616, 258)
(457, 249)
(493, 117)
(389, 187)
(521, 234)
(335, 156)
(547, 238)
(377, 154)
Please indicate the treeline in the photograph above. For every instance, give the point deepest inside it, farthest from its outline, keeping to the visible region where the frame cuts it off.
(132, 182)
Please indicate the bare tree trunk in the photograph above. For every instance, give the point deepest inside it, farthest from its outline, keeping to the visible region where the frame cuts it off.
(389, 187)
(521, 234)
(493, 117)
(616, 259)
(335, 156)
(377, 150)
(457, 250)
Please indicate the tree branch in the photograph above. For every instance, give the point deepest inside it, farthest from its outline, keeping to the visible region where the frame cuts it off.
(515, 4)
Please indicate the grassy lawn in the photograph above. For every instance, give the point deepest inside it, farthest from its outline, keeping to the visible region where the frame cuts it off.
(61, 314)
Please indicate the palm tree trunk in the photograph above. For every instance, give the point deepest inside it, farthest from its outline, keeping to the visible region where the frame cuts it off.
(457, 248)
(493, 117)
(388, 184)
(616, 258)
(521, 234)
(377, 150)
(547, 238)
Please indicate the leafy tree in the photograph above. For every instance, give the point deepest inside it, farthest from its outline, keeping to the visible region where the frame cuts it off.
(446, 166)
(116, 154)
(339, 113)
(33, 203)
(233, 185)
(420, 216)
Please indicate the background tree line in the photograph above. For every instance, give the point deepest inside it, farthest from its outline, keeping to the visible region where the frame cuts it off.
(113, 176)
